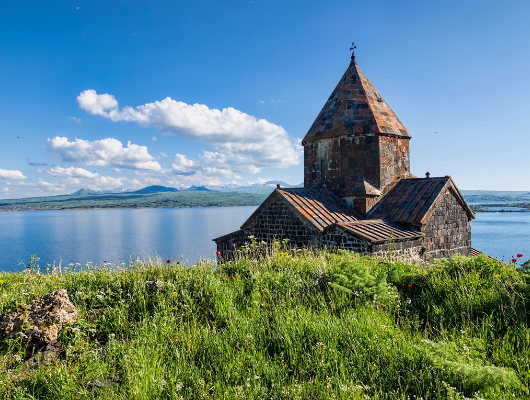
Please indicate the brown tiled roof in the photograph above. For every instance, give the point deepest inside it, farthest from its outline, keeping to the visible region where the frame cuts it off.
(475, 252)
(411, 201)
(377, 230)
(361, 187)
(355, 107)
(319, 206)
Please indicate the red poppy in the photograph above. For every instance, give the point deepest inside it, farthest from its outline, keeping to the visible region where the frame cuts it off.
(218, 253)
(519, 255)
(227, 277)
(168, 261)
(514, 260)
(410, 286)
(178, 262)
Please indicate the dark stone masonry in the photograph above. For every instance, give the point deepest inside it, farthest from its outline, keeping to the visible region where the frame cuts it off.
(359, 193)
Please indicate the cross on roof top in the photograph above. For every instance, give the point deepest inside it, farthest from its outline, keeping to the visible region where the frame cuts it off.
(352, 48)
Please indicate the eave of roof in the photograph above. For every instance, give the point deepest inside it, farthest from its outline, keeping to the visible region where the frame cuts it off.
(378, 231)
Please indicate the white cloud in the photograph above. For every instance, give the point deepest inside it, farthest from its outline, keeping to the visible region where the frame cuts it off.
(78, 120)
(5, 190)
(95, 103)
(71, 171)
(11, 174)
(154, 138)
(261, 101)
(41, 185)
(183, 164)
(102, 152)
(242, 142)
(164, 154)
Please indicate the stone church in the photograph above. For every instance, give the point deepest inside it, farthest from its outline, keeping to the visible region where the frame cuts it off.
(359, 193)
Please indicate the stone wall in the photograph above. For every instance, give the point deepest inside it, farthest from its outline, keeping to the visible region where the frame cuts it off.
(394, 161)
(228, 244)
(448, 231)
(279, 221)
(339, 161)
(341, 239)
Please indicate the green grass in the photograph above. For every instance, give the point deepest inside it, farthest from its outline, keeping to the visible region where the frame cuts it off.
(283, 325)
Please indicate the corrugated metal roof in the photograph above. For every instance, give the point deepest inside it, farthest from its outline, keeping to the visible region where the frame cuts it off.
(319, 206)
(377, 230)
(355, 107)
(411, 200)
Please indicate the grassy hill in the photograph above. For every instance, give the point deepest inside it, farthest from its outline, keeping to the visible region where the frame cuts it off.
(488, 196)
(157, 196)
(198, 196)
(283, 325)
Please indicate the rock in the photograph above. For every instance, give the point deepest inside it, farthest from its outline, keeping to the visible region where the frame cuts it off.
(40, 322)
(108, 383)
(50, 353)
(154, 286)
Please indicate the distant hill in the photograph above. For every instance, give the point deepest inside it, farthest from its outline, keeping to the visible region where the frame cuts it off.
(85, 193)
(155, 189)
(150, 197)
(199, 189)
(495, 196)
(263, 188)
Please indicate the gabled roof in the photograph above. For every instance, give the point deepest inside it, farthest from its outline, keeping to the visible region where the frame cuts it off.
(360, 188)
(378, 231)
(318, 206)
(355, 107)
(412, 201)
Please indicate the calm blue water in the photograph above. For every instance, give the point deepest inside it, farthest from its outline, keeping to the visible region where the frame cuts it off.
(502, 235)
(79, 236)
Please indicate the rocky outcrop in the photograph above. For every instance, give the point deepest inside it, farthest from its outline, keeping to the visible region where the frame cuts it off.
(154, 286)
(40, 322)
(46, 355)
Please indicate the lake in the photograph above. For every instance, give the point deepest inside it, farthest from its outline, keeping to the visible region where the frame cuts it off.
(81, 236)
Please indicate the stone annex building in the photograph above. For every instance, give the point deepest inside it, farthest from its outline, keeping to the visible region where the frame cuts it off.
(358, 190)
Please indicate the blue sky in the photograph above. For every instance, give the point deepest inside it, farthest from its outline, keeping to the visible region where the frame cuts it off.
(115, 95)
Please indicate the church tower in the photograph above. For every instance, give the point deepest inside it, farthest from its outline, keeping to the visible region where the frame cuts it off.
(357, 147)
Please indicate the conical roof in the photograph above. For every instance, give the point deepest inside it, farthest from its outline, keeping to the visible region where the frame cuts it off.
(361, 188)
(355, 107)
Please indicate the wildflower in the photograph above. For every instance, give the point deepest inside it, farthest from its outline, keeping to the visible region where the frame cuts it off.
(514, 260)
(168, 261)
(227, 277)
(218, 253)
(174, 293)
(410, 286)
(47, 269)
(54, 268)
(55, 287)
(519, 255)
(2, 281)
(178, 262)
